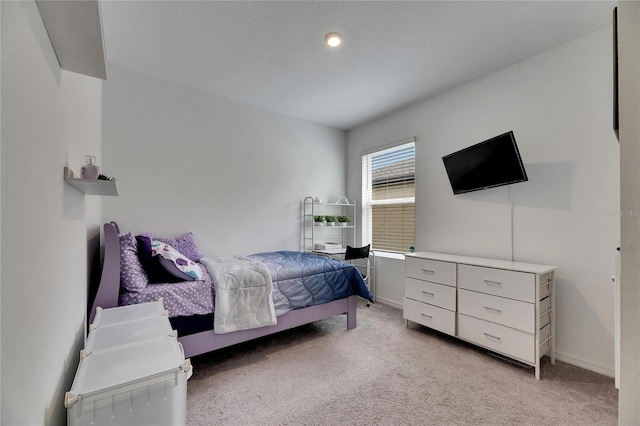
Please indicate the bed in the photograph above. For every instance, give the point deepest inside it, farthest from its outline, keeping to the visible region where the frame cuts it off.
(196, 332)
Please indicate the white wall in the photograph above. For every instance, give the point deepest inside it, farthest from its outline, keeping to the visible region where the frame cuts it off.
(559, 106)
(629, 81)
(233, 174)
(0, 219)
(50, 118)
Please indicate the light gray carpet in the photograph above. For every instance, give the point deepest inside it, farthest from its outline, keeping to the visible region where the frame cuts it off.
(383, 373)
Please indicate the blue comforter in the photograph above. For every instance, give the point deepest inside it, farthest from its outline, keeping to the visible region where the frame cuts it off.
(304, 279)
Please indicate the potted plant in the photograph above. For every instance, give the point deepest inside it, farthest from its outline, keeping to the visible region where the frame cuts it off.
(318, 219)
(343, 220)
(331, 220)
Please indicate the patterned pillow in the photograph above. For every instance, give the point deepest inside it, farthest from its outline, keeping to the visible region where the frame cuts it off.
(132, 276)
(156, 271)
(184, 243)
(175, 263)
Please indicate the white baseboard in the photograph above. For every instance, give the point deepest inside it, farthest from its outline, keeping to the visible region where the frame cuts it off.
(605, 370)
(389, 302)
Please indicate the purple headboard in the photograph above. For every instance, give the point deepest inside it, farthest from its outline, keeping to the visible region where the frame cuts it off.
(109, 289)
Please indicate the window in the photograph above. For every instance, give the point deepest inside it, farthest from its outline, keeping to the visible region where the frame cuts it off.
(388, 198)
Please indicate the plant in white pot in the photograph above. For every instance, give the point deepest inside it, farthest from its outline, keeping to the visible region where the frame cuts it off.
(317, 220)
(343, 220)
(331, 220)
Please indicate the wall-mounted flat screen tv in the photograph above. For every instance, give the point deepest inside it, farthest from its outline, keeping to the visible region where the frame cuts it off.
(494, 162)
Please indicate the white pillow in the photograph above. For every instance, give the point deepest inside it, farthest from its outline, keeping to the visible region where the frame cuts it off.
(175, 263)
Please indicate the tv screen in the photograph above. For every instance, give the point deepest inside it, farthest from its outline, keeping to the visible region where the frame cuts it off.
(494, 162)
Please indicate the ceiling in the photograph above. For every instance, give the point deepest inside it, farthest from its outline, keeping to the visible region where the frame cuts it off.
(272, 54)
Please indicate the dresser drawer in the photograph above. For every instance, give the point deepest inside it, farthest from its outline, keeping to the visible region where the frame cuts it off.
(499, 282)
(509, 312)
(430, 316)
(506, 340)
(431, 270)
(440, 295)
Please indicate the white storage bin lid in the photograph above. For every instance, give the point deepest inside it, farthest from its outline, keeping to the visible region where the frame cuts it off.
(126, 333)
(128, 313)
(125, 368)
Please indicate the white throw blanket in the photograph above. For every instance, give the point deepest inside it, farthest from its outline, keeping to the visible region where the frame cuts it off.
(244, 294)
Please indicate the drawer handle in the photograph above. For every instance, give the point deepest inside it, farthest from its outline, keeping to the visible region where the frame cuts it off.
(495, 283)
(489, 308)
(426, 316)
(426, 293)
(492, 336)
(429, 271)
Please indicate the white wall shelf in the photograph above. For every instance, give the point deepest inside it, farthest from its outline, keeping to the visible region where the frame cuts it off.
(91, 186)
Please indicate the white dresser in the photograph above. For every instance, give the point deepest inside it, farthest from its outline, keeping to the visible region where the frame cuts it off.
(506, 307)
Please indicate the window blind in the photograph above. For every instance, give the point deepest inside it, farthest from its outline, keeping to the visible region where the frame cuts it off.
(388, 198)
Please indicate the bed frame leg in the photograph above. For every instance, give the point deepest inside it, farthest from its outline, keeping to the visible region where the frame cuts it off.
(351, 313)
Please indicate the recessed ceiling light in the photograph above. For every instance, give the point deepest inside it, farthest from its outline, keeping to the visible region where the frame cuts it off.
(333, 39)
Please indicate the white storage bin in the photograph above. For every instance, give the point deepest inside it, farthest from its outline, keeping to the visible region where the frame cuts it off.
(126, 333)
(128, 313)
(138, 384)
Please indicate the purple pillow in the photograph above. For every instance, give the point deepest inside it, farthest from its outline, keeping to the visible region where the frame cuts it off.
(185, 244)
(133, 278)
(154, 266)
